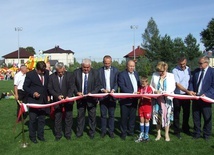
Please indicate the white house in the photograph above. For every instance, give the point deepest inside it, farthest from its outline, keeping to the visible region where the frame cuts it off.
(61, 55)
(12, 58)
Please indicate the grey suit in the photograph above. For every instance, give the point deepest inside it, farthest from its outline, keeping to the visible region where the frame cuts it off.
(88, 103)
(67, 91)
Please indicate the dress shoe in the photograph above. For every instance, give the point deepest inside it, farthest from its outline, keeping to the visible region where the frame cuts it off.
(42, 139)
(78, 136)
(123, 137)
(91, 136)
(103, 135)
(34, 141)
(187, 133)
(68, 138)
(111, 135)
(178, 135)
(57, 138)
(195, 137)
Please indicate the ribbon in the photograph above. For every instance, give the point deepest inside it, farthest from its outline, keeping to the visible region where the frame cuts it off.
(24, 106)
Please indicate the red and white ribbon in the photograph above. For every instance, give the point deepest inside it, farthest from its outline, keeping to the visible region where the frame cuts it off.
(24, 106)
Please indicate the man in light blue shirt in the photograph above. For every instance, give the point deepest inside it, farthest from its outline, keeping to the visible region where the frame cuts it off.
(182, 76)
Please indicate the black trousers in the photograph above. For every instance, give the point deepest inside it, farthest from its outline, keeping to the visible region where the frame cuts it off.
(36, 123)
(185, 105)
(201, 108)
(68, 114)
(81, 108)
(107, 110)
(128, 116)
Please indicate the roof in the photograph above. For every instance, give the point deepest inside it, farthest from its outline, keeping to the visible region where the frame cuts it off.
(23, 53)
(57, 49)
(138, 52)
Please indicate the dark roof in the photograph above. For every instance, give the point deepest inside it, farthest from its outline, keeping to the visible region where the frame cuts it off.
(53, 62)
(57, 49)
(138, 52)
(23, 53)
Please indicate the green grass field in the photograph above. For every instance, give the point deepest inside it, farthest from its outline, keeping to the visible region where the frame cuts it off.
(10, 138)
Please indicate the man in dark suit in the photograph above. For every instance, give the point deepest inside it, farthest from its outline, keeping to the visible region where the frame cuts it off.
(86, 81)
(128, 82)
(202, 85)
(36, 85)
(61, 86)
(108, 77)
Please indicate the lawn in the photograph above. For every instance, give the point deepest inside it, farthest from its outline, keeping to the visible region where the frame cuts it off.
(10, 139)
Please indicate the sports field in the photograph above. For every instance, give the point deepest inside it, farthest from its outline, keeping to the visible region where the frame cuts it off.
(11, 138)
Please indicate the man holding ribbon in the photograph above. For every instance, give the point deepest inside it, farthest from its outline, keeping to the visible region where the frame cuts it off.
(61, 86)
(202, 84)
(86, 81)
(182, 76)
(128, 81)
(108, 77)
(36, 85)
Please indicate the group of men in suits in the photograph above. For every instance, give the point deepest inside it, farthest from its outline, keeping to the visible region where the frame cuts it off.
(85, 80)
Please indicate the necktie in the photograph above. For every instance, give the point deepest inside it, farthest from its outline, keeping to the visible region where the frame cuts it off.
(42, 79)
(85, 85)
(200, 79)
(60, 82)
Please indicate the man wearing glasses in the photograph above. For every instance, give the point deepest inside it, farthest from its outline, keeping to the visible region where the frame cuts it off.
(202, 84)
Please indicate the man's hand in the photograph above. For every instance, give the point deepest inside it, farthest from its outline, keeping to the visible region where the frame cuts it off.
(79, 93)
(192, 93)
(60, 97)
(36, 95)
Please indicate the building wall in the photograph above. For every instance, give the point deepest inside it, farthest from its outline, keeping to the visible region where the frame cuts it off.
(62, 57)
(15, 60)
(211, 62)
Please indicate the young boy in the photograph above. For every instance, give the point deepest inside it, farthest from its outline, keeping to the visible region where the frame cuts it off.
(144, 110)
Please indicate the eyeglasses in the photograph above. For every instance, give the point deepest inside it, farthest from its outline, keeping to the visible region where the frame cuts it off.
(160, 71)
(201, 63)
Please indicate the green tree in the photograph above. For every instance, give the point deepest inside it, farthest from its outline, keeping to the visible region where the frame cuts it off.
(143, 66)
(192, 48)
(74, 66)
(151, 40)
(179, 47)
(207, 35)
(30, 49)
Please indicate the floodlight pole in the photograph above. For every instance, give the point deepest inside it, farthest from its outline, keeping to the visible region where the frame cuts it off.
(134, 27)
(18, 29)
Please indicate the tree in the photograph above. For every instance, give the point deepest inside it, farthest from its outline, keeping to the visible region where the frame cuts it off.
(208, 36)
(192, 48)
(151, 40)
(179, 47)
(143, 66)
(30, 49)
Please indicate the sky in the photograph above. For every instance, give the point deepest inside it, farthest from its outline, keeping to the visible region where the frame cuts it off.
(94, 28)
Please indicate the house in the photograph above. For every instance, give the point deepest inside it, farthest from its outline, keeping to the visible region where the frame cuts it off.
(61, 55)
(12, 58)
(135, 53)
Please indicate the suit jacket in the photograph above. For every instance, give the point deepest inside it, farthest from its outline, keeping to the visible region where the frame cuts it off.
(33, 84)
(207, 83)
(67, 86)
(93, 86)
(113, 79)
(125, 84)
